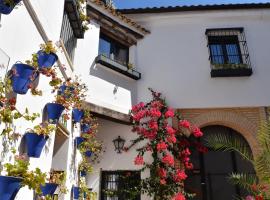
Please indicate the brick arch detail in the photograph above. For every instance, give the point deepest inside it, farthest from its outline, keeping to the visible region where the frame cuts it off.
(232, 120)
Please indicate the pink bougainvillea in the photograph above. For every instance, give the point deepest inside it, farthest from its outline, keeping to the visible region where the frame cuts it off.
(167, 146)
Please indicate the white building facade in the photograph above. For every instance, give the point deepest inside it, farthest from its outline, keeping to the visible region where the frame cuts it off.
(210, 62)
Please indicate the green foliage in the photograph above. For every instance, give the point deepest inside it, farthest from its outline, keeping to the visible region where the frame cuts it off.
(20, 168)
(222, 142)
(261, 162)
(44, 129)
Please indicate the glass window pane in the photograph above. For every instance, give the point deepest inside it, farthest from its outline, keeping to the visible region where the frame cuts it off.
(216, 54)
(233, 53)
(104, 47)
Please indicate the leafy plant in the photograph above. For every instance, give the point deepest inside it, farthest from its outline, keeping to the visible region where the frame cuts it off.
(44, 129)
(20, 168)
(48, 47)
(261, 162)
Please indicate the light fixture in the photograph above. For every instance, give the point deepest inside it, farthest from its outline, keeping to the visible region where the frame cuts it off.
(119, 144)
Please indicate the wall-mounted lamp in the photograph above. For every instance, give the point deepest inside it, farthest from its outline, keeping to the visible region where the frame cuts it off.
(119, 144)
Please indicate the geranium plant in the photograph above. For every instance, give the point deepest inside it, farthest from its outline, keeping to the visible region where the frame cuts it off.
(167, 145)
(31, 178)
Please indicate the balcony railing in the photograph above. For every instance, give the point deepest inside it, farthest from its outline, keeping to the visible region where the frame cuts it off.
(72, 11)
(230, 70)
(118, 67)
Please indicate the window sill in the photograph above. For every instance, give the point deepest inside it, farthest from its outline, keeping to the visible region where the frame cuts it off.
(74, 18)
(231, 72)
(113, 65)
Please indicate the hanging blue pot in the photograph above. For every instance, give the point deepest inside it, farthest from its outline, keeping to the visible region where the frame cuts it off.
(78, 141)
(77, 115)
(85, 128)
(9, 187)
(35, 144)
(65, 90)
(88, 153)
(6, 9)
(83, 173)
(54, 111)
(22, 78)
(48, 188)
(46, 60)
(76, 192)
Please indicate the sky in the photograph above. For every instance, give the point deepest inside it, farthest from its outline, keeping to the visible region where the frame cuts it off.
(152, 3)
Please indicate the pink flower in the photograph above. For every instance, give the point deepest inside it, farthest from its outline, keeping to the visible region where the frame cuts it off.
(197, 132)
(162, 181)
(171, 139)
(184, 124)
(249, 197)
(155, 113)
(138, 116)
(168, 159)
(139, 160)
(180, 176)
(162, 173)
(179, 196)
(153, 125)
(156, 104)
(169, 113)
(162, 146)
(170, 130)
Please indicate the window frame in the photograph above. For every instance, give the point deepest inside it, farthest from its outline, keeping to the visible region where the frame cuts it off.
(120, 184)
(114, 42)
(223, 41)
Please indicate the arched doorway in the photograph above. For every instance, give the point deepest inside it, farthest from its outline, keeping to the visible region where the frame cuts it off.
(209, 178)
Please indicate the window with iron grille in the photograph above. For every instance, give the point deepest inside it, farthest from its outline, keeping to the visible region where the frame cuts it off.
(228, 51)
(67, 36)
(114, 183)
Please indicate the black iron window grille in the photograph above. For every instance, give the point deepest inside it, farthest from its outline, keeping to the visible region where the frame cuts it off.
(68, 37)
(115, 183)
(228, 52)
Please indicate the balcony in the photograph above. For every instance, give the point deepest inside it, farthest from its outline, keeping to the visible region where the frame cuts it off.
(230, 70)
(118, 67)
(71, 8)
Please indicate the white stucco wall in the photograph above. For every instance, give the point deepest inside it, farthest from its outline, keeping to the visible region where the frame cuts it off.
(19, 38)
(173, 59)
(111, 160)
(107, 88)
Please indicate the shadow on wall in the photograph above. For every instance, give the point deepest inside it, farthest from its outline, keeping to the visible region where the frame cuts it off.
(116, 79)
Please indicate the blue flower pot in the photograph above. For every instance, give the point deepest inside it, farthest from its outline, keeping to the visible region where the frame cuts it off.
(6, 9)
(83, 173)
(76, 192)
(88, 154)
(9, 187)
(35, 144)
(77, 115)
(65, 90)
(85, 128)
(78, 141)
(22, 78)
(46, 60)
(54, 111)
(48, 189)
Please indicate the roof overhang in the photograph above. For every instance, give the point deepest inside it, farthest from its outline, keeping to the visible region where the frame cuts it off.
(195, 8)
(114, 23)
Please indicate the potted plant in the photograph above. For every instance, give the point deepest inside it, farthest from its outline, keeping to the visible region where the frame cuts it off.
(55, 110)
(56, 179)
(36, 139)
(88, 123)
(90, 145)
(18, 175)
(46, 56)
(6, 6)
(85, 167)
(77, 115)
(22, 76)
